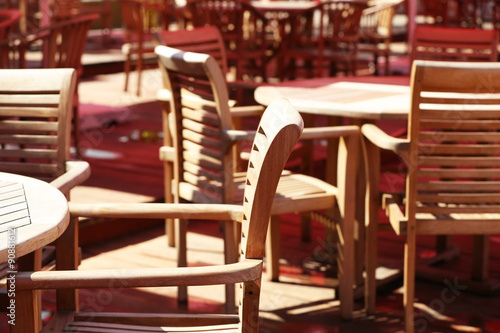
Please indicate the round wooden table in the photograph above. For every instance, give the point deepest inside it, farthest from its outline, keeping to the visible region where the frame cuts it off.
(33, 214)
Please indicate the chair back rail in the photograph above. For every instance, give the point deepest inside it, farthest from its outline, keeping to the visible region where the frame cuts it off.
(34, 121)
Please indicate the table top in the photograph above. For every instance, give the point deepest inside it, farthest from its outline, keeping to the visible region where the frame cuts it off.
(356, 97)
(33, 214)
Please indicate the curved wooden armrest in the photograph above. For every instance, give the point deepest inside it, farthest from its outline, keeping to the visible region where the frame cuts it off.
(220, 212)
(329, 132)
(164, 95)
(383, 140)
(243, 271)
(76, 173)
(240, 135)
(167, 154)
(247, 111)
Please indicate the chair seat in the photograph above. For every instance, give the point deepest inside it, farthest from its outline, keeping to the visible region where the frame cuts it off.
(296, 193)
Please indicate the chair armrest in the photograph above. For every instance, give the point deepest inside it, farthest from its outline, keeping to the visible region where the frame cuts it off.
(164, 95)
(167, 154)
(222, 212)
(393, 211)
(329, 132)
(243, 271)
(384, 141)
(76, 173)
(240, 135)
(247, 111)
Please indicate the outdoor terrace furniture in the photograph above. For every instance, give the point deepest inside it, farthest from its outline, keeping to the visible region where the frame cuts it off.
(451, 155)
(64, 9)
(454, 44)
(208, 39)
(322, 37)
(203, 169)
(279, 130)
(62, 45)
(139, 19)
(35, 121)
(244, 31)
(376, 32)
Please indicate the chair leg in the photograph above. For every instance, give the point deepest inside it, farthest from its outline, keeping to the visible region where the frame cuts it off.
(28, 320)
(273, 249)
(409, 281)
(180, 233)
(230, 253)
(480, 267)
(126, 69)
(76, 128)
(138, 69)
(32, 299)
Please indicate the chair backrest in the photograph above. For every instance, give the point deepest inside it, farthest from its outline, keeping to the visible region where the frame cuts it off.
(454, 44)
(64, 42)
(141, 18)
(328, 22)
(242, 26)
(454, 146)
(206, 39)
(200, 107)
(35, 121)
(376, 21)
(9, 18)
(64, 9)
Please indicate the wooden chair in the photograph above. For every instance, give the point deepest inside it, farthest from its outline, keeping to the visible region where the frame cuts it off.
(35, 122)
(65, 9)
(139, 19)
(243, 30)
(278, 132)
(9, 18)
(208, 39)
(451, 154)
(325, 35)
(35, 119)
(454, 44)
(62, 45)
(203, 168)
(376, 32)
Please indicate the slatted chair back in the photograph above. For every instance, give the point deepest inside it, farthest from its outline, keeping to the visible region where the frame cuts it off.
(454, 151)
(35, 113)
(204, 168)
(454, 44)
(243, 30)
(205, 39)
(377, 31)
(455, 143)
